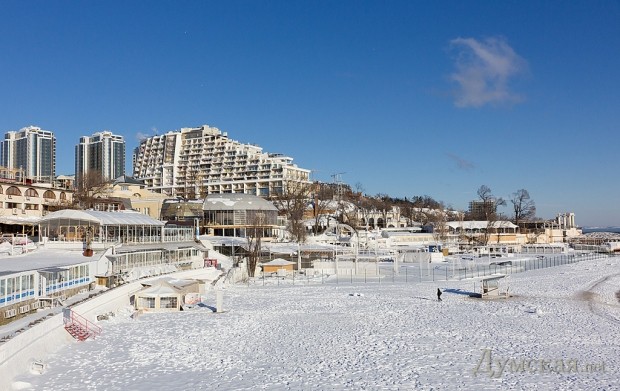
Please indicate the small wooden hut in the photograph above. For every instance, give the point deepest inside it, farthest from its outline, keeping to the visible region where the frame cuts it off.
(274, 266)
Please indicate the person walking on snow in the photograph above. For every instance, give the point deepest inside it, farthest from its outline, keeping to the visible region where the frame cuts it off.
(438, 294)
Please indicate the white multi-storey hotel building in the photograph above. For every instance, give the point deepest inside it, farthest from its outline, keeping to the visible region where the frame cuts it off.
(194, 162)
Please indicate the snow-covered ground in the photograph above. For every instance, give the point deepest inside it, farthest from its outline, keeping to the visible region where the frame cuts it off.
(559, 331)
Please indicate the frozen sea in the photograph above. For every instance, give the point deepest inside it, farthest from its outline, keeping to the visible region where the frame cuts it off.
(558, 332)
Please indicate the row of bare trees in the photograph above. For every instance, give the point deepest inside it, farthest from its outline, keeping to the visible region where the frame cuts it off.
(523, 207)
(299, 201)
(486, 209)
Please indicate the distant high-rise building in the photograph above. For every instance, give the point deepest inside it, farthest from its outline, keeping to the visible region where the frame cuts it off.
(482, 210)
(102, 153)
(194, 162)
(31, 151)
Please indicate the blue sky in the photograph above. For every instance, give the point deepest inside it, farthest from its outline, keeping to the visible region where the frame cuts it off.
(405, 98)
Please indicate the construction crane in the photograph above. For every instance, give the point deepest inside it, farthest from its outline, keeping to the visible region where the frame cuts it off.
(337, 177)
(311, 172)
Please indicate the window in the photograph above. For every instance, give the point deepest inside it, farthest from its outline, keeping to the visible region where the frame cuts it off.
(12, 190)
(147, 302)
(168, 302)
(30, 192)
(49, 195)
(63, 196)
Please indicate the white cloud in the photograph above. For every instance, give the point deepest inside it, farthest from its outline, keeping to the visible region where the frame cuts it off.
(141, 136)
(483, 70)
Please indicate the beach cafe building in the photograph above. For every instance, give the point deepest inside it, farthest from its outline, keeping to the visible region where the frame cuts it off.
(134, 245)
(104, 228)
(126, 246)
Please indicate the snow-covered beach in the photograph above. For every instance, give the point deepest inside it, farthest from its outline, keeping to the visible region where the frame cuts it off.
(556, 332)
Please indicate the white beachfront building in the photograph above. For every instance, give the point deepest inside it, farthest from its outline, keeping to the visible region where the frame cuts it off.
(194, 162)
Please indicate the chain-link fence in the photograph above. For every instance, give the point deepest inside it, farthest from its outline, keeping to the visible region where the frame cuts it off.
(456, 268)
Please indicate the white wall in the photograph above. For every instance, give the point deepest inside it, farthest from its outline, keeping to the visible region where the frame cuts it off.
(346, 268)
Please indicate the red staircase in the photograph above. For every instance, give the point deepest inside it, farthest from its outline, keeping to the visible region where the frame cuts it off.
(79, 327)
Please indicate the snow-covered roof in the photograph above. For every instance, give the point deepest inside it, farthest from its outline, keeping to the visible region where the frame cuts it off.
(391, 234)
(169, 246)
(41, 258)
(160, 288)
(278, 262)
(182, 201)
(291, 248)
(236, 201)
(69, 214)
(480, 224)
(128, 180)
(21, 220)
(103, 218)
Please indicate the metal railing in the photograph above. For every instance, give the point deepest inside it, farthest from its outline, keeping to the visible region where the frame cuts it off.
(71, 317)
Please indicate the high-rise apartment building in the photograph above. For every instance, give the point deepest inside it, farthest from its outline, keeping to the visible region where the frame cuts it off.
(102, 153)
(482, 210)
(31, 152)
(194, 162)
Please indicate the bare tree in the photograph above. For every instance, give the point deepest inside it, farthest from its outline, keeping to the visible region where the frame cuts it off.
(254, 235)
(464, 236)
(364, 207)
(523, 206)
(92, 185)
(323, 198)
(488, 205)
(293, 203)
(424, 209)
(439, 220)
(203, 189)
(489, 211)
(348, 211)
